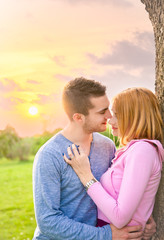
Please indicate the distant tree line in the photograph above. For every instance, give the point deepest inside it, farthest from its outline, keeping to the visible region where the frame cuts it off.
(14, 147)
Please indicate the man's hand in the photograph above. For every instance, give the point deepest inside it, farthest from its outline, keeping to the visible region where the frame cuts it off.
(134, 232)
(150, 229)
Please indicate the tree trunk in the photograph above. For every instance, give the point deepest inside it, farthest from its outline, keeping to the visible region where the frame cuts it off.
(155, 8)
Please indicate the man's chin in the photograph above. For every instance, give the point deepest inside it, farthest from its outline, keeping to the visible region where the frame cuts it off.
(103, 128)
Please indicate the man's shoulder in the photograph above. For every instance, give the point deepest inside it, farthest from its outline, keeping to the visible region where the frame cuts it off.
(54, 144)
(50, 152)
(100, 138)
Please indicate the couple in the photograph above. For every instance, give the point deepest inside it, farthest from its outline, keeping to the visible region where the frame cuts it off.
(65, 201)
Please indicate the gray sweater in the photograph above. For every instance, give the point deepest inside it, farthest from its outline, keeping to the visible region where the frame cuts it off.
(63, 209)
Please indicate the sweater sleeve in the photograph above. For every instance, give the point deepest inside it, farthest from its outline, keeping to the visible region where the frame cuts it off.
(138, 168)
(52, 222)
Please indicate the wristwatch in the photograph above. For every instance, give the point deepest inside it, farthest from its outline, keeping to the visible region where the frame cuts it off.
(88, 184)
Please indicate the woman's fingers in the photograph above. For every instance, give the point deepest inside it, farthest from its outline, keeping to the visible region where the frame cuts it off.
(80, 150)
(74, 154)
(66, 159)
(71, 155)
(75, 151)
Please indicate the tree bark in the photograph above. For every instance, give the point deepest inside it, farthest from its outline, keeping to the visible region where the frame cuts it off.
(155, 9)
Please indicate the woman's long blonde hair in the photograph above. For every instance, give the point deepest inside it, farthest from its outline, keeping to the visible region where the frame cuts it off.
(138, 115)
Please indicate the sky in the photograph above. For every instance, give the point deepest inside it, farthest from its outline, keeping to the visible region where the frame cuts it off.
(46, 43)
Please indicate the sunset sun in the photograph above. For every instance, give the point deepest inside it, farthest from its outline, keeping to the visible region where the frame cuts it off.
(33, 110)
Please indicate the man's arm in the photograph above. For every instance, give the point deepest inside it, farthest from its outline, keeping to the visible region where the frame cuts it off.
(132, 232)
(150, 229)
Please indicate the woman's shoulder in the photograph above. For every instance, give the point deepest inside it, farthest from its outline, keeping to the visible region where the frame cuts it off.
(145, 144)
(145, 148)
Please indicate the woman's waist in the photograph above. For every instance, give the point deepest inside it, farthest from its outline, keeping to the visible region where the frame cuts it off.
(133, 222)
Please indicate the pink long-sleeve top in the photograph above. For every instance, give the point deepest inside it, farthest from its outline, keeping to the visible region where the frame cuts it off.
(126, 191)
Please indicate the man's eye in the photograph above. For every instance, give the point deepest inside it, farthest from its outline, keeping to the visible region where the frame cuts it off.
(102, 112)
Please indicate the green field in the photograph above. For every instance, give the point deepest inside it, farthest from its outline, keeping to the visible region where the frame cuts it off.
(17, 221)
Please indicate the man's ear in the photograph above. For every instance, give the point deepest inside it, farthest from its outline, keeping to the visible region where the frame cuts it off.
(78, 117)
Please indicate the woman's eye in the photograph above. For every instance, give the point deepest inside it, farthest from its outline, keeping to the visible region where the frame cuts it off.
(114, 114)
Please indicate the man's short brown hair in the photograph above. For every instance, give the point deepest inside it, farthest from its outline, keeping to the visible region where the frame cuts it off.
(77, 94)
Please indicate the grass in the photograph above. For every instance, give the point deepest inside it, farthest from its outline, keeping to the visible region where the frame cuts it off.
(17, 221)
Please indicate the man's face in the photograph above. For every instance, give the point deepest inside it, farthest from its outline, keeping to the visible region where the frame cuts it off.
(96, 120)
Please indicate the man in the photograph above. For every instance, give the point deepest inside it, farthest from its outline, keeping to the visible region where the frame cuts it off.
(62, 207)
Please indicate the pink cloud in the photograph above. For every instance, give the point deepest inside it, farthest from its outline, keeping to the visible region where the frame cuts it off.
(45, 99)
(59, 60)
(62, 77)
(8, 85)
(32, 82)
(129, 54)
(7, 103)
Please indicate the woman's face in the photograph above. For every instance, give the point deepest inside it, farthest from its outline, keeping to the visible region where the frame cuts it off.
(114, 123)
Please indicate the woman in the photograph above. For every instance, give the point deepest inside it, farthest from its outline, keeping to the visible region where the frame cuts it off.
(126, 192)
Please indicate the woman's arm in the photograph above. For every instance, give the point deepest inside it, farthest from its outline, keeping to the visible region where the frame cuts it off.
(136, 175)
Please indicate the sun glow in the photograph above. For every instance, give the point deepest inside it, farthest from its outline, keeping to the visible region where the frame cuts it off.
(33, 110)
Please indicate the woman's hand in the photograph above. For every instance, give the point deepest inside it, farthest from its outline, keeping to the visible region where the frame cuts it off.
(80, 163)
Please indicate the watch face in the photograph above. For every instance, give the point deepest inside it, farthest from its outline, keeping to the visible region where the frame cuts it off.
(92, 181)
